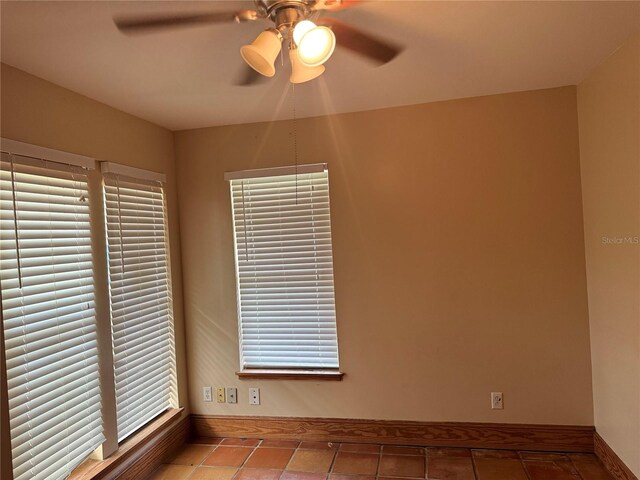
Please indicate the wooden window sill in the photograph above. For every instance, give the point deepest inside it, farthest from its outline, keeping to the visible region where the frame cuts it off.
(96, 469)
(283, 374)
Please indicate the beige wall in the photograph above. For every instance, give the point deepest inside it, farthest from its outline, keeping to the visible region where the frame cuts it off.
(41, 113)
(458, 251)
(609, 118)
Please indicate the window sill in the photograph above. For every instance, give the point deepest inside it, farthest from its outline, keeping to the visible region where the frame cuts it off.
(94, 469)
(283, 374)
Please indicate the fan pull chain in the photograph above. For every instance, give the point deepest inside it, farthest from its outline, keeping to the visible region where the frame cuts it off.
(281, 58)
(295, 135)
(15, 220)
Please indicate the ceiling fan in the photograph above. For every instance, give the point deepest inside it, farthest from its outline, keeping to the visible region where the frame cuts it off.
(311, 39)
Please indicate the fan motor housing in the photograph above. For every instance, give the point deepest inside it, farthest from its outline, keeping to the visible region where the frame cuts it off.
(269, 8)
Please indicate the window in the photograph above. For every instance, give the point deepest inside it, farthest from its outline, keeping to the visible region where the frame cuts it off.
(140, 296)
(49, 321)
(284, 268)
(54, 346)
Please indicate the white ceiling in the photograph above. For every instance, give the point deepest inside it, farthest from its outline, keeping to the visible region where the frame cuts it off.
(184, 78)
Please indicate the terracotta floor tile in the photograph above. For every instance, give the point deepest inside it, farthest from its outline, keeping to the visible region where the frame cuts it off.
(313, 461)
(280, 443)
(240, 442)
(339, 476)
(560, 460)
(213, 473)
(319, 445)
(402, 466)
(589, 467)
(356, 463)
(449, 452)
(541, 470)
(499, 469)
(397, 450)
(258, 474)
(359, 448)
(172, 472)
(450, 468)
(228, 456)
(504, 454)
(190, 454)
(269, 458)
(303, 476)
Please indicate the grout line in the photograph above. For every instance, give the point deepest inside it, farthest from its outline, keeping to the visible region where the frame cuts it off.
(524, 467)
(575, 467)
(473, 465)
(426, 462)
(333, 461)
(295, 450)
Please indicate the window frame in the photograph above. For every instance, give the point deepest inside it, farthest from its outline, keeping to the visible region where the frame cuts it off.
(307, 372)
(142, 178)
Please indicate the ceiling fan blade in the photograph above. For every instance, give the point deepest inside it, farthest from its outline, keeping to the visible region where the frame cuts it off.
(151, 23)
(360, 42)
(334, 5)
(248, 77)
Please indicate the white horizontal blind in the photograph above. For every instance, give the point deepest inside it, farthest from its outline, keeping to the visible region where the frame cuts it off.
(46, 271)
(284, 267)
(141, 308)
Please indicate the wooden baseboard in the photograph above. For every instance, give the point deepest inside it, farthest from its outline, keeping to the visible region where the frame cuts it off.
(550, 438)
(139, 457)
(614, 465)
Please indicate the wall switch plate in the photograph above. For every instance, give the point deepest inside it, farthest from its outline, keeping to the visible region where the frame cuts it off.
(232, 395)
(220, 395)
(254, 396)
(496, 401)
(206, 394)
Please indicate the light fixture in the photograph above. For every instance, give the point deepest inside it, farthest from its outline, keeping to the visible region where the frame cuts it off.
(289, 20)
(301, 28)
(263, 51)
(315, 44)
(299, 71)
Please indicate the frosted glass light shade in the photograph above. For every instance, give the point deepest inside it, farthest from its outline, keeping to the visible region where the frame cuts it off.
(300, 72)
(262, 53)
(316, 46)
(301, 28)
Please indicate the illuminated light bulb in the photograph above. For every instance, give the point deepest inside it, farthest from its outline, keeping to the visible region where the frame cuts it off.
(316, 46)
(301, 28)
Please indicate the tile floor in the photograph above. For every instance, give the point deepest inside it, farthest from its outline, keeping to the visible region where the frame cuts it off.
(249, 459)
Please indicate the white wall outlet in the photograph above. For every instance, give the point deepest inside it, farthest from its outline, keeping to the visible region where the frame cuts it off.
(232, 395)
(206, 394)
(496, 401)
(220, 395)
(254, 396)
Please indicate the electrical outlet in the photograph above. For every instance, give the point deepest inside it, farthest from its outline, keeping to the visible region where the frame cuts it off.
(232, 395)
(206, 394)
(496, 401)
(220, 395)
(254, 396)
